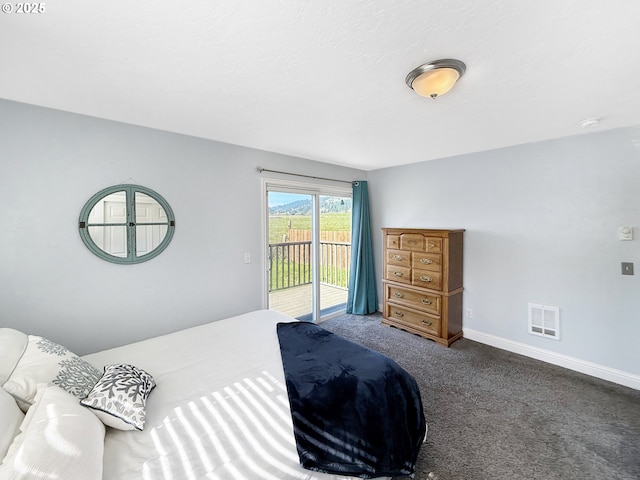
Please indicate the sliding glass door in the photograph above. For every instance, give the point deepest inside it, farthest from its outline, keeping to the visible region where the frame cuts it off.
(308, 241)
(290, 253)
(334, 252)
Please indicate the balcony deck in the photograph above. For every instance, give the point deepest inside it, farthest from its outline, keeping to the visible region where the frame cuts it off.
(296, 301)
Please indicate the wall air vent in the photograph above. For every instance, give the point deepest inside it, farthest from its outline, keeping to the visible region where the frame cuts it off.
(544, 321)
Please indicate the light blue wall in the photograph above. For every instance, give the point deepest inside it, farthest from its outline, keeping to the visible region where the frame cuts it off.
(541, 226)
(50, 284)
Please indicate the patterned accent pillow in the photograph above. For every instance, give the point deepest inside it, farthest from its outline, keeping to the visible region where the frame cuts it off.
(44, 361)
(119, 398)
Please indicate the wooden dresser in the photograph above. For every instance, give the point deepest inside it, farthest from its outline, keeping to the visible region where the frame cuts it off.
(423, 282)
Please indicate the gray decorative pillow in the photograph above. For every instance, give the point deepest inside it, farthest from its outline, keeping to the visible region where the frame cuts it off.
(44, 361)
(119, 398)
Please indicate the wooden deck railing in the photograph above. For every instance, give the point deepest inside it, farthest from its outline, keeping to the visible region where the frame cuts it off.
(290, 264)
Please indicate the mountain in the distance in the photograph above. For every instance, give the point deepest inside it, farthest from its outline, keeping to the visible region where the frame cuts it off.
(299, 207)
(303, 207)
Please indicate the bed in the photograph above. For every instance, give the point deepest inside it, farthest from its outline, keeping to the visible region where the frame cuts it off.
(217, 407)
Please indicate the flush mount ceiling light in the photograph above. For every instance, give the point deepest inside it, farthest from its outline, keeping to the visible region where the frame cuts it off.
(435, 78)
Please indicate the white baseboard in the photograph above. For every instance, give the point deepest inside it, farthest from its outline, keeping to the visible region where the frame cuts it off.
(589, 368)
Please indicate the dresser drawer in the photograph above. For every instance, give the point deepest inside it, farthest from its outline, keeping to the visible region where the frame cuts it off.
(393, 241)
(397, 273)
(427, 261)
(418, 300)
(434, 245)
(422, 321)
(426, 279)
(413, 242)
(398, 257)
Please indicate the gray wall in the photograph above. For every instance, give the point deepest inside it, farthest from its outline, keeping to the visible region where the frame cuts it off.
(52, 162)
(541, 226)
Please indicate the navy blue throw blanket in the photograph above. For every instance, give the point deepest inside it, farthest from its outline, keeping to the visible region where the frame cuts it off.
(355, 411)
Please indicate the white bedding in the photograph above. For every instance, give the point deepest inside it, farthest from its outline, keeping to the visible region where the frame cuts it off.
(219, 411)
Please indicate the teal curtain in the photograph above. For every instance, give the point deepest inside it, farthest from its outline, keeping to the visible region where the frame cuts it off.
(363, 296)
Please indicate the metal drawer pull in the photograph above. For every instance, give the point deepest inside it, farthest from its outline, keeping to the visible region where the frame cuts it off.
(397, 257)
(426, 322)
(426, 301)
(398, 294)
(426, 261)
(397, 274)
(398, 314)
(424, 278)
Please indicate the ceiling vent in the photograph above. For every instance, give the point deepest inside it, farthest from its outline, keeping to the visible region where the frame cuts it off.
(544, 321)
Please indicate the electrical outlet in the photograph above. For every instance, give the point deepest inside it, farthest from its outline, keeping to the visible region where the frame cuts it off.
(468, 313)
(627, 268)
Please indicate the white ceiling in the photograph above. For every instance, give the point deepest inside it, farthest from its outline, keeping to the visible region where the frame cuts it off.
(324, 79)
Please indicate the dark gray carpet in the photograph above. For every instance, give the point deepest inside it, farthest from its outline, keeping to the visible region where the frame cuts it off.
(493, 414)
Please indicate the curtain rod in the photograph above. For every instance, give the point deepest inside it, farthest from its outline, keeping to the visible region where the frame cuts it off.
(260, 170)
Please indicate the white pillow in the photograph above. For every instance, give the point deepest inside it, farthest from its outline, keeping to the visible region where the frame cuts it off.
(44, 361)
(12, 345)
(59, 439)
(10, 419)
(119, 398)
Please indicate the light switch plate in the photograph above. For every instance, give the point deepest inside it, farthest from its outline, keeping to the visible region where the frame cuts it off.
(627, 268)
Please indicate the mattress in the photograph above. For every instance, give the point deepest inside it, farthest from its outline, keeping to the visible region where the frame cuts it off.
(220, 409)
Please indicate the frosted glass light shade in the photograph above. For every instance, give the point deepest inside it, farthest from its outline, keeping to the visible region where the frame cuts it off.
(435, 78)
(435, 82)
